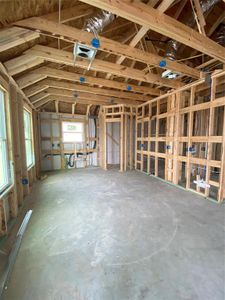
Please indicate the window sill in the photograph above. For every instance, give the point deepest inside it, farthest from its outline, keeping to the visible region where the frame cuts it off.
(30, 167)
(6, 191)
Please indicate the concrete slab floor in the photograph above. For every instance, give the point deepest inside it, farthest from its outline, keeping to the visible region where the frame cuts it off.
(105, 235)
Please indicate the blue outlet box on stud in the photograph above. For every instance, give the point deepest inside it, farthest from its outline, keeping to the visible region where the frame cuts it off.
(24, 181)
(82, 79)
(129, 88)
(95, 43)
(162, 64)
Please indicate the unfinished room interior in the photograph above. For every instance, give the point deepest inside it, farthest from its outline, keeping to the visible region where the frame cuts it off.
(112, 150)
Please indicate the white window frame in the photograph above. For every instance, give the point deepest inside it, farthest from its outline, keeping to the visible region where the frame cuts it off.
(29, 138)
(4, 143)
(79, 132)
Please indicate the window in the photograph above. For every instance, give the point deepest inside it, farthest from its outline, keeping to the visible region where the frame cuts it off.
(5, 177)
(73, 132)
(28, 138)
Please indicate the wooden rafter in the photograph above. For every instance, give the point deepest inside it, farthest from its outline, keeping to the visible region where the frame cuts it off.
(73, 34)
(69, 99)
(219, 20)
(39, 96)
(161, 23)
(36, 88)
(10, 79)
(164, 5)
(22, 63)
(43, 72)
(199, 17)
(71, 13)
(64, 95)
(86, 95)
(44, 84)
(63, 57)
(29, 79)
(12, 37)
(139, 35)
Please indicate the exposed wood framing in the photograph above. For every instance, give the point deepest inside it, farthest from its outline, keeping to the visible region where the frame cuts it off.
(161, 23)
(164, 5)
(199, 17)
(72, 34)
(48, 153)
(70, 14)
(180, 129)
(12, 37)
(14, 195)
(63, 57)
(10, 79)
(34, 89)
(80, 95)
(22, 63)
(124, 116)
(43, 72)
(184, 142)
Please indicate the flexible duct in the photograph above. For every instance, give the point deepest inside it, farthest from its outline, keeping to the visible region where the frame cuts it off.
(173, 45)
(94, 25)
(99, 22)
(220, 36)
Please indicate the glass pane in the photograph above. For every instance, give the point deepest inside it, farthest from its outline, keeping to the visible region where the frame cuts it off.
(72, 126)
(72, 137)
(2, 116)
(4, 166)
(28, 138)
(29, 154)
(27, 124)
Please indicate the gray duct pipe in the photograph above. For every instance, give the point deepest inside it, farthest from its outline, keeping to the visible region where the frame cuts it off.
(172, 45)
(94, 25)
(220, 36)
(99, 22)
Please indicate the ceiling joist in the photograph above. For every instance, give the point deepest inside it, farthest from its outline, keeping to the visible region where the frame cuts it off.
(12, 37)
(43, 72)
(66, 99)
(142, 14)
(22, 63)
(73, 34)
(82, 88)
(71, 13)
(84, 96)
(63, 57)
